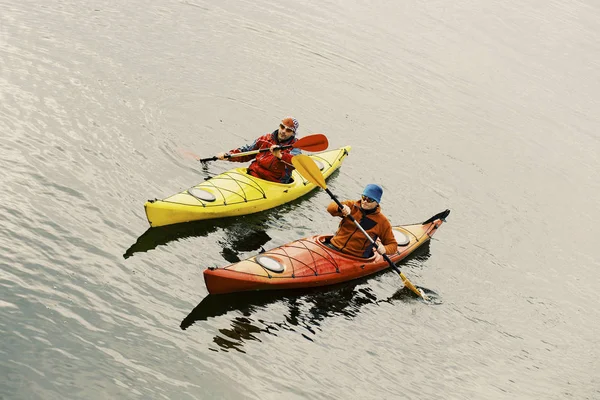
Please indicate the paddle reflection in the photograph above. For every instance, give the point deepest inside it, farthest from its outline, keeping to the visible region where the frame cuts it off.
(306, 309)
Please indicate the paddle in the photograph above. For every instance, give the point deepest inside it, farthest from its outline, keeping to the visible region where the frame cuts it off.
(316, 142)
(308, 169)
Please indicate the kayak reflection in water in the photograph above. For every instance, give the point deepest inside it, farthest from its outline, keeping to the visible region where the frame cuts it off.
(274, 165)
(367, 212)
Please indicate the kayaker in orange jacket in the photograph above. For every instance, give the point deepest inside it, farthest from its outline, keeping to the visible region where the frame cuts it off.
(274, 165)
(366, 211)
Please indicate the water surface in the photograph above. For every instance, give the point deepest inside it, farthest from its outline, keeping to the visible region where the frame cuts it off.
(487, 109)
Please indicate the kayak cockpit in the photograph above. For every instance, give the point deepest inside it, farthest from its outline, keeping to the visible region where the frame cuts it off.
(325, 242)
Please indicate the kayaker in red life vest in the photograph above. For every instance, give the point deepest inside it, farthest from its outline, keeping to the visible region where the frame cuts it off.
(367, 211)
(275, 165)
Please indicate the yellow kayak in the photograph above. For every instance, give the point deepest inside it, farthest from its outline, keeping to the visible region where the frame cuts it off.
(235, 193)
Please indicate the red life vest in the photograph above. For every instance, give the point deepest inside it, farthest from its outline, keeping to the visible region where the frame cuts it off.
(266, 165)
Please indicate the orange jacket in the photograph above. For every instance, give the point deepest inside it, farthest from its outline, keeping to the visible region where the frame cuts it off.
(349, 239)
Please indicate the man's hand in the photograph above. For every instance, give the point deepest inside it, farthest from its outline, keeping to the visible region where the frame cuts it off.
(276, 152)
(380, 247)
(345, 210)
(222, 156)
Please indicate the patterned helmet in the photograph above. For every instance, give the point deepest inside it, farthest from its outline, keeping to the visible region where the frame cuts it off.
(291, 123)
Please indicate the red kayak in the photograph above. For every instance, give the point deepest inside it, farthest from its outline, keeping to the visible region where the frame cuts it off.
(308, 262)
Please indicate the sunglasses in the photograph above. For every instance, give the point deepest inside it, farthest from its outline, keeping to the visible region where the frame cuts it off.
(285, 128)
(367, 199)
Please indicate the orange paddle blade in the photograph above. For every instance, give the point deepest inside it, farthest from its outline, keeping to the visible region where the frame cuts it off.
(316, 142)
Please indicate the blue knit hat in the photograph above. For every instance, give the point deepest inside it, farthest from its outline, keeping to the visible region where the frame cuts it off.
(373, 191)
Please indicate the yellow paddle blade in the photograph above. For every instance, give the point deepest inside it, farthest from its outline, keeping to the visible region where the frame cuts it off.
(412, 287)
(308, 169)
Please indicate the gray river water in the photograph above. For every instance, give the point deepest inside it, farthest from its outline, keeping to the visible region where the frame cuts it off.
(487, 108)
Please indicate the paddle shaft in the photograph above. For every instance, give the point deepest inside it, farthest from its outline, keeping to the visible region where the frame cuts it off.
(340, 205)
(246, 153)
(405, 280)
(314, 142)
(307, 168)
